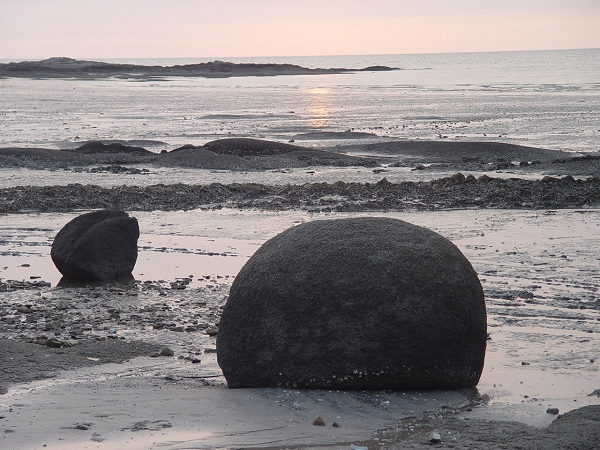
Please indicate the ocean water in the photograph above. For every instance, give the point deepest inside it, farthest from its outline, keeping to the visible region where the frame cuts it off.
(548, 99)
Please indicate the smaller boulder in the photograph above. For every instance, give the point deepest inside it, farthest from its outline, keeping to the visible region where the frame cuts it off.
(97, 246)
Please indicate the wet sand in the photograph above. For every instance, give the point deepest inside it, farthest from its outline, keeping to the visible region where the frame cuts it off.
(538, 270)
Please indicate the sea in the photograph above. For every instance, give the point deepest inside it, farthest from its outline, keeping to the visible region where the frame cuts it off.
(548, 99)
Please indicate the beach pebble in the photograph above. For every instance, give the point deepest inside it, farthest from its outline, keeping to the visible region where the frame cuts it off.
(435, 438)
(212, 331)
(319, 422)
(54, 343)
(61, 305)
(167, 352)
(552, 411)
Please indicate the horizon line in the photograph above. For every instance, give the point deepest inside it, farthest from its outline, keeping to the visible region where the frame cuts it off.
(296, 56)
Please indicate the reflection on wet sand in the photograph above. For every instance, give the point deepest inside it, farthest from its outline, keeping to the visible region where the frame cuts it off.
(318, 111)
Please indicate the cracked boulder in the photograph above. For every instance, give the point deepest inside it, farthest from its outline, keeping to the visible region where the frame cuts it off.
(97, 246)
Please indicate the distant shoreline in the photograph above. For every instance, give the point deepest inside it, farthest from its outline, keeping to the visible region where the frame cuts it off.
(61, 67)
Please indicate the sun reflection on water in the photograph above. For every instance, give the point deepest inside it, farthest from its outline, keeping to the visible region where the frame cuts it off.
(318, 110)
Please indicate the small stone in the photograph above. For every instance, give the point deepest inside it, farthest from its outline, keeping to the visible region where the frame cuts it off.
(62, 305)
(552, 411)
(212, 331)
(41, 340)
(335, 425)
(319, 422)
(524, 363)
(167, 352)
(435, 438)
(54, 343)
(196, 360)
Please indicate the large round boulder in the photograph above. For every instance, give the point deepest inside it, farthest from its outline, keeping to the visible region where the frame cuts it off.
(361, 303)
(97, 246)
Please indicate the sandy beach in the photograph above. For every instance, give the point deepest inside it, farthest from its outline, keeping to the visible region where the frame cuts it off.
(539, 273)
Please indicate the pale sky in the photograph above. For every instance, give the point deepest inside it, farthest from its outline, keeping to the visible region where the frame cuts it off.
(36, 29)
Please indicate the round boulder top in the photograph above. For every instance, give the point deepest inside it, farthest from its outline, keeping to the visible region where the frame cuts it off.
(97, 246)
(360, 303)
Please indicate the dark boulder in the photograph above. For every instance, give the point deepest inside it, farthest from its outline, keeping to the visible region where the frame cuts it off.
(97, 246)
(362, 303)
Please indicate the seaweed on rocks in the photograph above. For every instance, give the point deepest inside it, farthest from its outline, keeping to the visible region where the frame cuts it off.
(456, 191)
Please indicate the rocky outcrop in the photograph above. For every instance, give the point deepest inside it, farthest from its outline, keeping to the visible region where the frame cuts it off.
(61, 67)
(250, 147)
(256, 154)
(93, 147)
(97, 246)
(362, 303)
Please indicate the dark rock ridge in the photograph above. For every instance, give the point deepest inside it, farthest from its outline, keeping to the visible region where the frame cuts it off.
(257, 154)
(93, 147)
(457, 151)
(457, 191)
(61, 67)
(97, 246)
(250, 147)
(224, 154)
(361, 303)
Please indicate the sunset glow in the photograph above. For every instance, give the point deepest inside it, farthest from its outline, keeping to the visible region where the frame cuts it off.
(185, 28)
